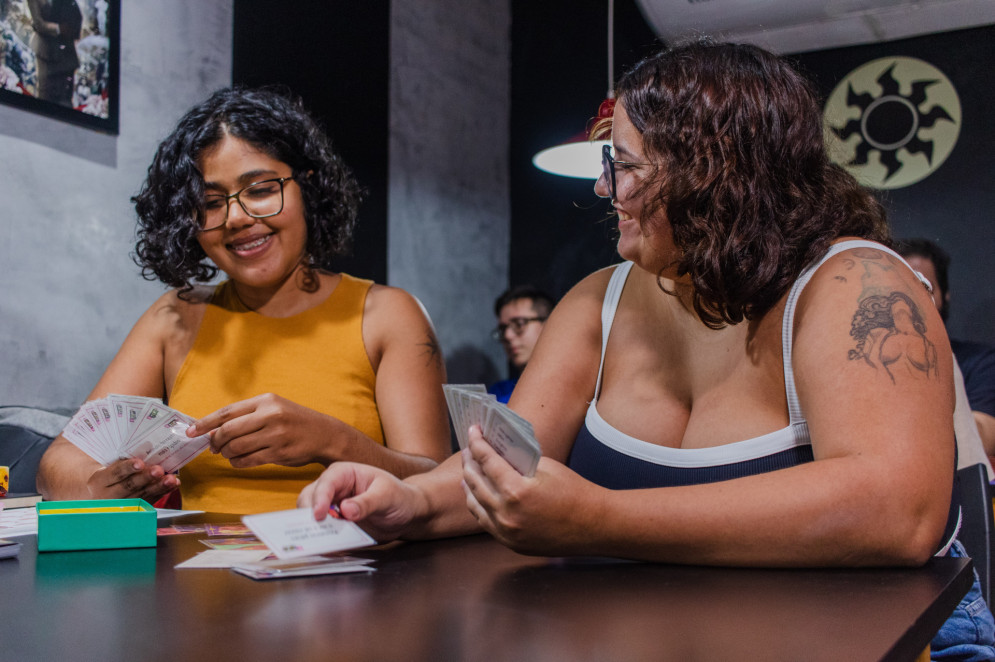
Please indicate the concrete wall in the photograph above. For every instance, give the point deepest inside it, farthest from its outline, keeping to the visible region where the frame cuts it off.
(69, 291)
(448, 203)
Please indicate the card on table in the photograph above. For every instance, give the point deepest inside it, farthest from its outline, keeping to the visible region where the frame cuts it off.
(123, 426)
(303, 566)
(9, 548)
(229, 529)
(295, 533)
(238, 542)
(508, 433)
(224, 558)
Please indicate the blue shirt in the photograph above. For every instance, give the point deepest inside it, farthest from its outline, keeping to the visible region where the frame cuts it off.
(502, 389)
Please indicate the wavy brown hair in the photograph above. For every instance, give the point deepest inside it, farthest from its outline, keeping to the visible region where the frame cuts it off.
(742, 175)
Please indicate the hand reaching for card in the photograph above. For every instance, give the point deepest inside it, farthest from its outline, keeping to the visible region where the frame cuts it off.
(379, 501)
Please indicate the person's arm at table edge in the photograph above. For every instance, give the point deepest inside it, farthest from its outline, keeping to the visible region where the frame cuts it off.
(567, 354)
(65, 471)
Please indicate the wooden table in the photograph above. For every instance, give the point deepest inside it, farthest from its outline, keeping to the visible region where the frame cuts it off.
(461, 599)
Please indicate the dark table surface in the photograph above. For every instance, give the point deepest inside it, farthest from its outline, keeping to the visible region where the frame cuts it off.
(461, 599)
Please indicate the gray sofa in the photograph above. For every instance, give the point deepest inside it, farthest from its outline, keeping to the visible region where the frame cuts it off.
(25, 433)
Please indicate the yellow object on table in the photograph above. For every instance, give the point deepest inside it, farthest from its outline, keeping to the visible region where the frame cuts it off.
(4, 480)
(105, 509)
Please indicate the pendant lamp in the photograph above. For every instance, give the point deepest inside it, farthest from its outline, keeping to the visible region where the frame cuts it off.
(579, 156)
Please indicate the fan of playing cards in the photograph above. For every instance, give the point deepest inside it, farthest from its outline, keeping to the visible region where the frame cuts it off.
(508, 433)
(124, 426)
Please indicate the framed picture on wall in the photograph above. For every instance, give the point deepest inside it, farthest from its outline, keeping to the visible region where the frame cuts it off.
(60, 58)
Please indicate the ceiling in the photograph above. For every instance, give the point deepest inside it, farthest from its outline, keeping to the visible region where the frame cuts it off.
(794, 26)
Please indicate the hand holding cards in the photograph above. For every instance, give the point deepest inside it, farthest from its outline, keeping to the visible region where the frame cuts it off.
(123, 426)
(509, 434)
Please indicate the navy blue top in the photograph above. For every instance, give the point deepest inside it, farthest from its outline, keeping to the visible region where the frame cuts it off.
(617, 471)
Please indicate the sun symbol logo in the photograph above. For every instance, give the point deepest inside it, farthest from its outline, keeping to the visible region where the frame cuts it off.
(892, 122)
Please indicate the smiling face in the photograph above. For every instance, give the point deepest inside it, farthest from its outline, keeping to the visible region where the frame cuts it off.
(645, 237)
(260, 255)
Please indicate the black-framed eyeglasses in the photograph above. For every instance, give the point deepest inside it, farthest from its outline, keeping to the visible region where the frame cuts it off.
(259, 200)
(516, 324)
(608, 163)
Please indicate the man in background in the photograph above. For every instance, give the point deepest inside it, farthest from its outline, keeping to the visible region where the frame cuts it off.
(977, 361)
(521, 312)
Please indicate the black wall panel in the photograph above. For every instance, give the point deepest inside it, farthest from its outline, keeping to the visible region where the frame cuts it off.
(335, 54)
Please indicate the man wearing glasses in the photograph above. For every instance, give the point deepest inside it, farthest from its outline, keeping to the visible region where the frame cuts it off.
(521, 312)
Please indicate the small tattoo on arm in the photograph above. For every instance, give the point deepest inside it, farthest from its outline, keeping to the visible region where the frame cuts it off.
(865, 253)
(431, 349)
(873, 262)
(890, 332)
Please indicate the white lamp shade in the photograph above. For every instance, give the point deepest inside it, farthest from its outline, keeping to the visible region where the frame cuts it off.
(572, 159)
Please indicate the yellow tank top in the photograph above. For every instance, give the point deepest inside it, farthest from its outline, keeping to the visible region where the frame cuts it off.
(316, 358)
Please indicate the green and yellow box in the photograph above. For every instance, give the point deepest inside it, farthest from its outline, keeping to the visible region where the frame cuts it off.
(95, 524)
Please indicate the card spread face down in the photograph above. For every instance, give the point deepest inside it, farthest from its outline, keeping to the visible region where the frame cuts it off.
(124, 426)
(292, 534)
(508, 433)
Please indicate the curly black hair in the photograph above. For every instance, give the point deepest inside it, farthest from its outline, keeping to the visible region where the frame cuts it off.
(171, 202)
(742, 173)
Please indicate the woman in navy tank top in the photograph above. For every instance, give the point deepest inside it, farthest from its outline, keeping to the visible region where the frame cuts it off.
(761, 383)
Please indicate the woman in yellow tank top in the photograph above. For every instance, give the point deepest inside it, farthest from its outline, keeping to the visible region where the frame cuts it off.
(289, 366)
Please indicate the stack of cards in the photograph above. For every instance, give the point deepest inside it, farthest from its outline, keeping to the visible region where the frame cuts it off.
(508, 433)
(304, 566)
(125, 426)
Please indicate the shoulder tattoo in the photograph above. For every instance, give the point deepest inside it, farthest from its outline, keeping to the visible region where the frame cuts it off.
(865, 264)
(890, 334)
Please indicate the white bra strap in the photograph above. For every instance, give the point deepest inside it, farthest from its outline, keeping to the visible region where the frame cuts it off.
(612, 295)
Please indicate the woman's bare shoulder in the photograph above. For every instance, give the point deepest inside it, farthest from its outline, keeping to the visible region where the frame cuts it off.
(574, 326)
(588, 293)
(859, 306)
(389, 305)
(865, 271)
(174, 312)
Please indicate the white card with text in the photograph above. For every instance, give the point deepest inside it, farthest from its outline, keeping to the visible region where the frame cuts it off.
(293, 533)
